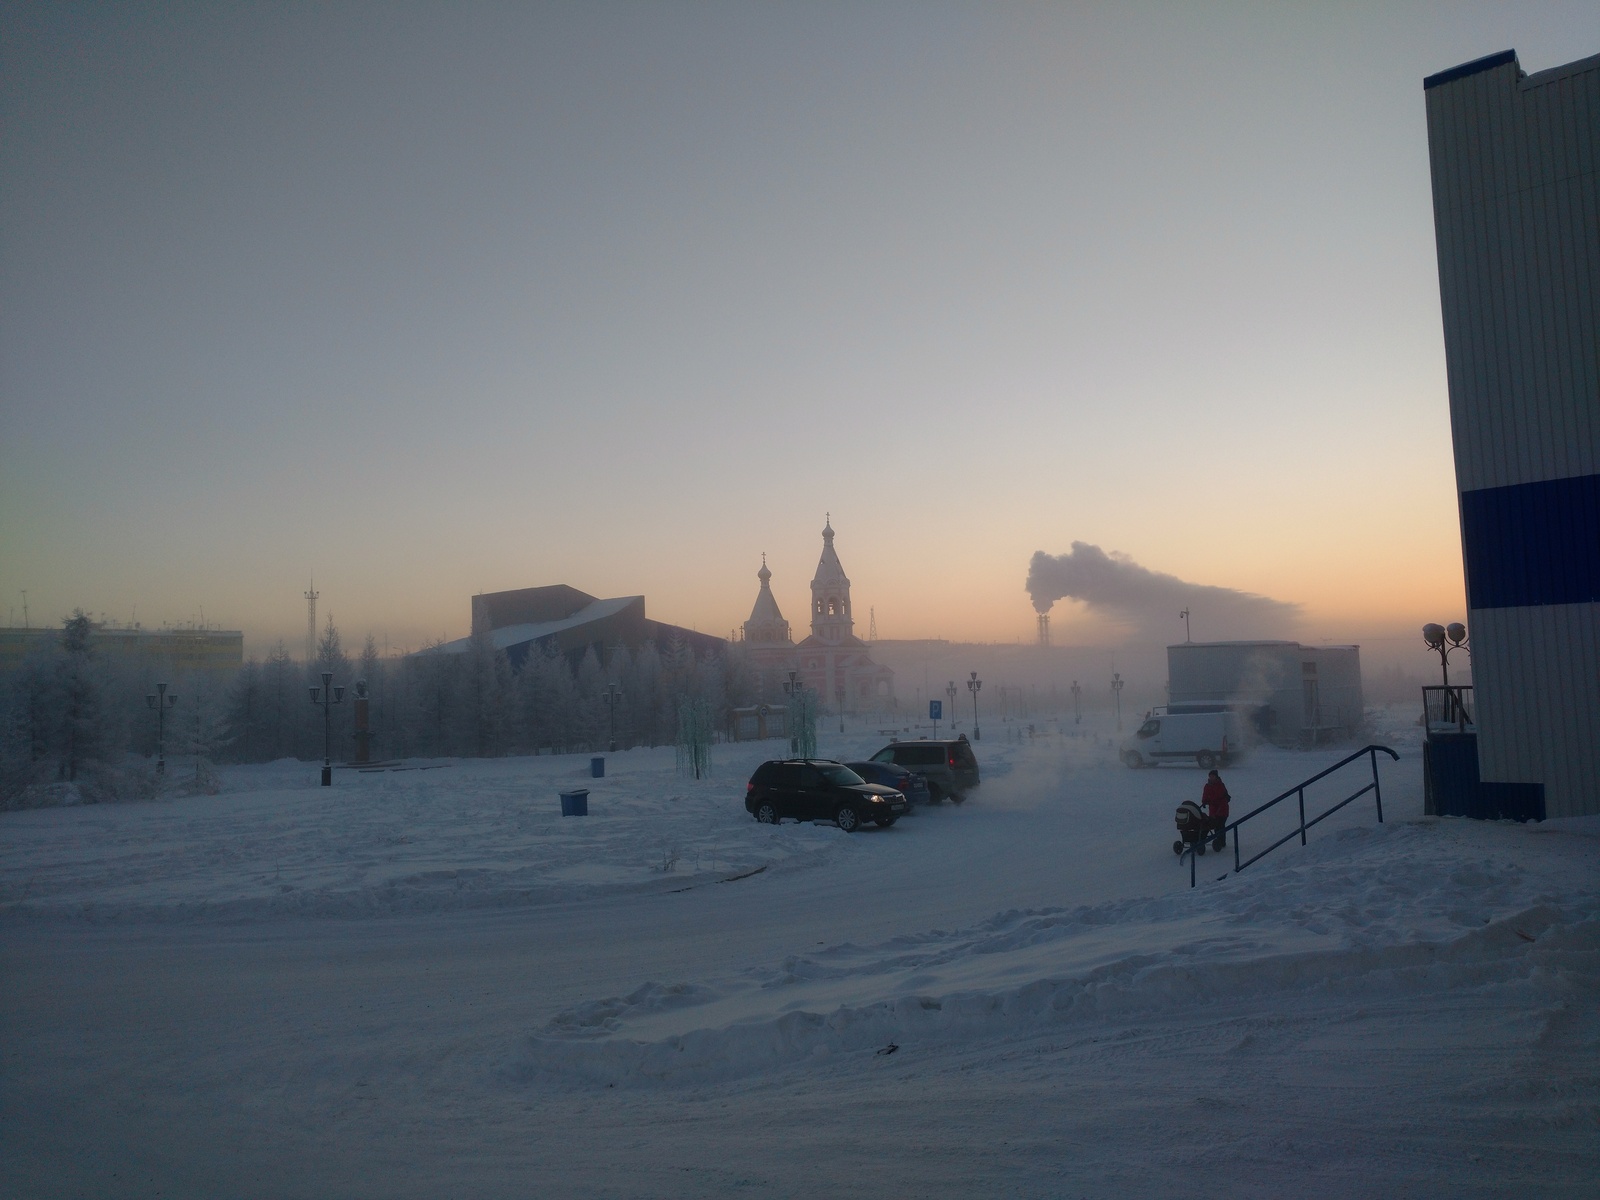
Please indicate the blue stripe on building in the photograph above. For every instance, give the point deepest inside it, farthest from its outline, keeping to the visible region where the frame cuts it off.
(1533, 544)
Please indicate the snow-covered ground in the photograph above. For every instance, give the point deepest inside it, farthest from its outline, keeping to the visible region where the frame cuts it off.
(427, 982)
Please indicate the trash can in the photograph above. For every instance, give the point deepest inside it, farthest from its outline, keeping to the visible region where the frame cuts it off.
(597, 767)
(575, 804)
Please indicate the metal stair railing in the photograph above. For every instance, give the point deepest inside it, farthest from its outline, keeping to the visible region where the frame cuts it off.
(1299, 790)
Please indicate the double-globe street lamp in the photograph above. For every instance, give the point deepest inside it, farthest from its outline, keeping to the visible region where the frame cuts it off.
(951, 692)
(1445, 638)
(613, 697)
(794, 689)
(160, 701)
(327, 695)
(975, 685)
(1116, 690)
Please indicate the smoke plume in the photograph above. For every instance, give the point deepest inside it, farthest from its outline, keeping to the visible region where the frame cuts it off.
(1115, 586)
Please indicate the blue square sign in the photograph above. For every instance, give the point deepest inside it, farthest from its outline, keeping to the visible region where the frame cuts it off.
(935, 709)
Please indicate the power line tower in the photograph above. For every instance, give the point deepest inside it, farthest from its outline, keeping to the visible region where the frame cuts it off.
(872, 624)
(311, 621)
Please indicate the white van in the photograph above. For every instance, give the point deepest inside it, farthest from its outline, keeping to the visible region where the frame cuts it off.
(1209, 739)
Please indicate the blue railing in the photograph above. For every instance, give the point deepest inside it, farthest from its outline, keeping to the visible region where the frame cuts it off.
(1299, 791)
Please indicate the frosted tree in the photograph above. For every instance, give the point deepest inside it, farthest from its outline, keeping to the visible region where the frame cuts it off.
(488, 696)
(82, 733)
(696, 728)
(200, 731)
(434, 697)
(246, 713)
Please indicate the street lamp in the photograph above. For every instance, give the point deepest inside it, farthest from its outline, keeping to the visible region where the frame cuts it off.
(838, 691)
(974, 685)
(794, 689)
(327, 695)
(1077, 712)
(1185, 616)
(1116, 690)
(160, 701)
(612, 696)
(951, 692)
(1445, 638)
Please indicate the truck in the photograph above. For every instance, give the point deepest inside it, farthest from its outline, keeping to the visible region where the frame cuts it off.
(1207, 739)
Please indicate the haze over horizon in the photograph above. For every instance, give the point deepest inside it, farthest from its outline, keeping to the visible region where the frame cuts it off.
(437, 300)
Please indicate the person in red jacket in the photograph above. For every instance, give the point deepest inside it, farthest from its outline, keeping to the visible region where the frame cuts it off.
(1214, 798)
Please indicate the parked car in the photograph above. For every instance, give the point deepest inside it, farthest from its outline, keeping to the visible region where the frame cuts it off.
(913, 786)
(949, 766)
(812, 789)
(1208, 739)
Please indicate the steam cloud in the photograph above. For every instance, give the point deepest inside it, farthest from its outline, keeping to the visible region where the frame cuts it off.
(1116, 586)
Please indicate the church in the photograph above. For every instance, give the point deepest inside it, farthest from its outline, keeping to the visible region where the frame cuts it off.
(832, 661)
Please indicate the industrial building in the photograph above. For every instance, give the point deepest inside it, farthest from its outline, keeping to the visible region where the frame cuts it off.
(573, 622)
(1292, 694)
(1517, 226)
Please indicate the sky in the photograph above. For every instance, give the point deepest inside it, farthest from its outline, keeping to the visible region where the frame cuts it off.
(432, 299)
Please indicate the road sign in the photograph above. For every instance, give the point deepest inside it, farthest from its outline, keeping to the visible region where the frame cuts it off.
(935, 710)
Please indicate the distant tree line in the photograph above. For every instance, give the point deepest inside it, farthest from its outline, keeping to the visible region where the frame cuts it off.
(73, 723)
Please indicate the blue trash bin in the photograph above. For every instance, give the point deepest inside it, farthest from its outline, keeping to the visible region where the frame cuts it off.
(575, 804)
(597, 767)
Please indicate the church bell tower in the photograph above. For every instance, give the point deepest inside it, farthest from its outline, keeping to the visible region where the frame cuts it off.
(830, 595)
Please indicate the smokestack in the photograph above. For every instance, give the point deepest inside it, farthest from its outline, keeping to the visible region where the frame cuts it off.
(1044, 629)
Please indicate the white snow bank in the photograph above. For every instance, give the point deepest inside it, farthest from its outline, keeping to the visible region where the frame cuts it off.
(1373, 917)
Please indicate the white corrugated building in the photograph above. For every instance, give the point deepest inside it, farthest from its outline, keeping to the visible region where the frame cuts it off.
(1517, 222)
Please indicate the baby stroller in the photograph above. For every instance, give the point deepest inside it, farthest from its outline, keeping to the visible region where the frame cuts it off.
(1193, 825)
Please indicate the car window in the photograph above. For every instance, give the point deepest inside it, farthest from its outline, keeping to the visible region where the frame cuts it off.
(1149, 729)
(886, 755)
(926, 756)
(786, 775)
(840, 775)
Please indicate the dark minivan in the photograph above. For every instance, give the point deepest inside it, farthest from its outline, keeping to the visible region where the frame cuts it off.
(811, 789)
(950, 767)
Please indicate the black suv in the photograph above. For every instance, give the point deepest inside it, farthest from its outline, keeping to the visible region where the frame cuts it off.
(950, 767)
(814, 789)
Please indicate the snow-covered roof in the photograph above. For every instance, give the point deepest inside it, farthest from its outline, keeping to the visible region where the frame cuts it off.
(515, 635)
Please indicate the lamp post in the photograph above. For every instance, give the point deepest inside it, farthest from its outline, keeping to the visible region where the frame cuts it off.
(793, 688)
(975, 685)
(951, 692)
(1185, 615)
(1116, 690)
(1445, 638)
(838, 692)
(327, 695)
(612, 696)
(160, 701)
(1077, 712)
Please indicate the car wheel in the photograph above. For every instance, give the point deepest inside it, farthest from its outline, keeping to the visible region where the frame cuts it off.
(1131, 758)
(848, 819)
(1206, 760)
(767, 814)
(935, 796)
(956, 797)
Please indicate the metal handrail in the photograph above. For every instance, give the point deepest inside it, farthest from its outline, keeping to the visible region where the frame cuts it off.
(1454, 707)
(1299, 790)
